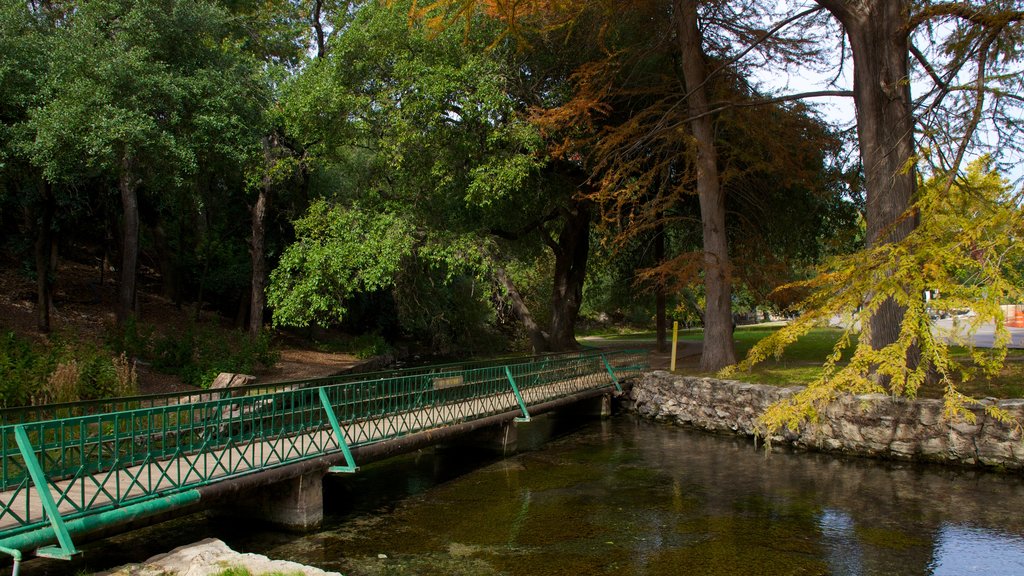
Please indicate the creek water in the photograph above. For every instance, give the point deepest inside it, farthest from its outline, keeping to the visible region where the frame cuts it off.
(631, 497)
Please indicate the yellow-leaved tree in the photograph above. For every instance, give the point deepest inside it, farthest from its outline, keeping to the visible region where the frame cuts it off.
(966, 248)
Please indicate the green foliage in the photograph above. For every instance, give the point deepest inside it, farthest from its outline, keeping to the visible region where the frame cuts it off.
(198, 353)
(338, 252)
(967, 247)
(419, 127)
(441, 303)
(23, 369)
(369, 345)
(153, 81)
(65, 371)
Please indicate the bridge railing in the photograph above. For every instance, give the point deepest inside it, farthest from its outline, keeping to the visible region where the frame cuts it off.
(96, 462)
(20, 414)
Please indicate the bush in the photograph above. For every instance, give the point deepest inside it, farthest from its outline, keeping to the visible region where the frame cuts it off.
(369, 345)
(66, 371)
(198, 354)
(23, 369)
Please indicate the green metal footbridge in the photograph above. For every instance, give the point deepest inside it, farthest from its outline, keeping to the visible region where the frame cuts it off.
(71, 470)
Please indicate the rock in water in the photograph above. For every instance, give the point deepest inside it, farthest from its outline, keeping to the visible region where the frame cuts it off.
(209, 557)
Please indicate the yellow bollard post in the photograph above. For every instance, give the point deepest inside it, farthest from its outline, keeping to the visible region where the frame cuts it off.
(675, 340)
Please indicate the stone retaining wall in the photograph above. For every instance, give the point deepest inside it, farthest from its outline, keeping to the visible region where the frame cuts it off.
(868, 425)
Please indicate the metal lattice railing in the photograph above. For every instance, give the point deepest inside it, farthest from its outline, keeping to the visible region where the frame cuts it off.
(94, 457)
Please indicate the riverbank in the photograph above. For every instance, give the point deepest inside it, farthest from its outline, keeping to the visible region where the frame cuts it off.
(212, 557)
(871, 425)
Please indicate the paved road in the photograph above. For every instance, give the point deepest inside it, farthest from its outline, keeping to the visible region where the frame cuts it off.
(984, 337)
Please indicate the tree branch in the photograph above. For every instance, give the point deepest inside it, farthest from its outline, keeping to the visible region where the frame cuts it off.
(975, 14)
(529, 227)
(765, 101)
(976, 114)
(928, 67)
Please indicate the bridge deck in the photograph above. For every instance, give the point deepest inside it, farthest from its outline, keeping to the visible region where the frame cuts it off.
(100, 462)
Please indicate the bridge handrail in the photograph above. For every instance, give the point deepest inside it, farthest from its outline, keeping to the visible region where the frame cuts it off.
(23, 414)
(210, 440)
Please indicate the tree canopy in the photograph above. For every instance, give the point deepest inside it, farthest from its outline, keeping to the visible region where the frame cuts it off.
(466, 162)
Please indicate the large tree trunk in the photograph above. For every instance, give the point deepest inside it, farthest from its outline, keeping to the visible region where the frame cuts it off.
(43, 254)
(885, 128)
(571, 254)
(128, 185)
(538, 339)
(257, 301)
(719, 351)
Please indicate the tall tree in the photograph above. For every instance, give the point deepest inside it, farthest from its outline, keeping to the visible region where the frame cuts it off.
(438, 123)
(23, 65)
(645, 113)
(967, 92)
(717, 283)
(139, 90)
(880, 45)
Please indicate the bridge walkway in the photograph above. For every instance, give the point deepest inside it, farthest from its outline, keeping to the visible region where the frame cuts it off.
(108, 463)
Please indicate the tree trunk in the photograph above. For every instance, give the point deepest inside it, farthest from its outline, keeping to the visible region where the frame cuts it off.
(43, 254)
(885, 128)
(538, 339)
(259, 262)
(128, 185)
(719, 351)
(571, 254)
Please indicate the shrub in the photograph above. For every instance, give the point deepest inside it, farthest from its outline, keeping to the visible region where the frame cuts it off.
(23, 370)
(66, 371)
(369, 345)
(198, 354)
(61, 386)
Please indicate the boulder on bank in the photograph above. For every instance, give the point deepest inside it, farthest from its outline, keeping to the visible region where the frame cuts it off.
(210, 557)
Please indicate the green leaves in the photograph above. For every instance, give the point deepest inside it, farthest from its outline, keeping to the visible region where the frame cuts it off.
(338, 251)
(153, 80)
(966, 249)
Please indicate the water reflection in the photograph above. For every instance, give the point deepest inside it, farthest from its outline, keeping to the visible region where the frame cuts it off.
(628, 497)
(839, 540)
(967, 550)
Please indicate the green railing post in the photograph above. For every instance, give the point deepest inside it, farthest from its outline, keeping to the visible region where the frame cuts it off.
(519, 397)
(350, 463)
(35, 471)
(611, 372)
(15, 554)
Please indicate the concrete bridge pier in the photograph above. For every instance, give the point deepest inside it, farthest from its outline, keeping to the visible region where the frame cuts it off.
(515, 435)
(500, 439)
(294, 504)
(599, 407)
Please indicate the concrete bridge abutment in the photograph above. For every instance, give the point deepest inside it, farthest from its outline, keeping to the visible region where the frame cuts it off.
(295, 504)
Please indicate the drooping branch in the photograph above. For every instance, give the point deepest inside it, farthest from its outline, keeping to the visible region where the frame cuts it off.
(723, 106)
(980, 15)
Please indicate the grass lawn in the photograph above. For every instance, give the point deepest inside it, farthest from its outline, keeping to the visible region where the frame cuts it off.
(802, 360)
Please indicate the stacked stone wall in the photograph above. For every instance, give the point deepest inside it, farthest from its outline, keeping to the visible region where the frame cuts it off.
(868, 425)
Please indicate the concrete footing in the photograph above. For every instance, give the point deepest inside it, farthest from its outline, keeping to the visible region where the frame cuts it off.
(296, 504)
